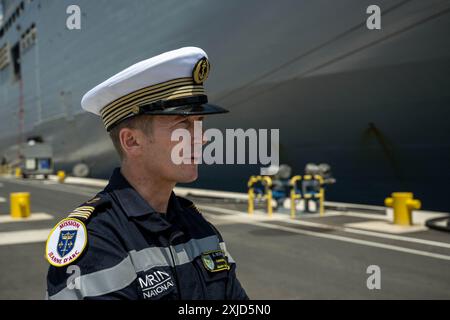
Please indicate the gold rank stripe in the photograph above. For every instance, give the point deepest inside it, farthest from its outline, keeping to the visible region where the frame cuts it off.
(79, 217)
(127, 110)
(85, 209)
(150, 98)
(182, 91)
(83, 215)
(194, 207)
(146, 91)
(81, 212)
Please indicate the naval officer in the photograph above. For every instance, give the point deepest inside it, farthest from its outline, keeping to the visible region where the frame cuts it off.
(136, 239)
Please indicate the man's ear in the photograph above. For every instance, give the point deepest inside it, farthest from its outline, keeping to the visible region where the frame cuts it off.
(130, 141)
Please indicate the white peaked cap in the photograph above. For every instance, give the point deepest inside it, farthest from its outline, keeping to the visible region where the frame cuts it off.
(169, 83)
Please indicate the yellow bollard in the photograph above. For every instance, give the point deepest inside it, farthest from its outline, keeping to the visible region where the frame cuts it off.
(18, 172)
(268, 187)
(251, 199)
(267, 181)
(403, 203)
(294, 196)
(61, 176)
(269, 203)
(251, 194)
(322, 201)
(20, 205)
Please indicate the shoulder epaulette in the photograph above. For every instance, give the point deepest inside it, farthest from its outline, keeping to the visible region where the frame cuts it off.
(84, 211)
(188, 204)
(185, 203)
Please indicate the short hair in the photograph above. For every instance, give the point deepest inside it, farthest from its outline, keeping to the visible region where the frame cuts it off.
(142, 122)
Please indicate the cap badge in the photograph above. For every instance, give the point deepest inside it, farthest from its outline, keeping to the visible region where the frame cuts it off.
(201, 70)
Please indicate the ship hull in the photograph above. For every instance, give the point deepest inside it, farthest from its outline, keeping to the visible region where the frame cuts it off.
(372, 105)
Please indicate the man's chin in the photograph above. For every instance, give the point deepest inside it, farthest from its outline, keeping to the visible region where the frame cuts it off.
(189, 174)
(187, 179)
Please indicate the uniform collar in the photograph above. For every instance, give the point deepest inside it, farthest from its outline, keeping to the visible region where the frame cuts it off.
(129, 199)
(135, 206)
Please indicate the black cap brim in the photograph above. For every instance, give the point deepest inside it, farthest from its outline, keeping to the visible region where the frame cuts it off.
(189, 110)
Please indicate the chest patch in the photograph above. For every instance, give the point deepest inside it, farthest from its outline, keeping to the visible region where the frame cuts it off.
(156, 283)
(215, 261)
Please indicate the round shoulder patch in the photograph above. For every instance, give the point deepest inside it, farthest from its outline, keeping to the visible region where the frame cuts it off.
(66, 242)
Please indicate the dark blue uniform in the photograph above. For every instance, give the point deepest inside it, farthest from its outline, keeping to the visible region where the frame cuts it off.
(134, 252)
